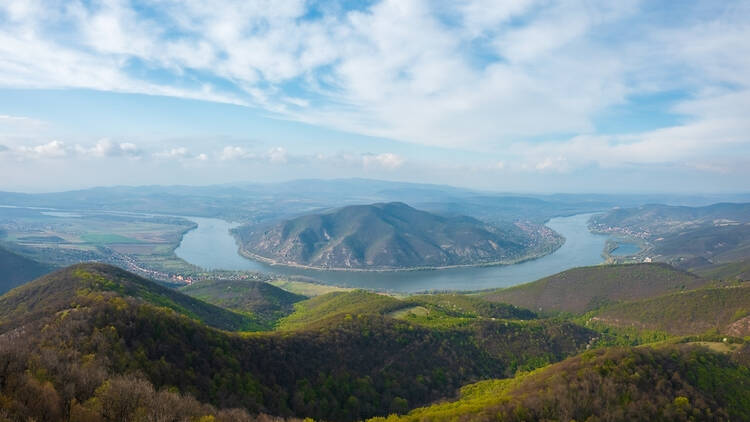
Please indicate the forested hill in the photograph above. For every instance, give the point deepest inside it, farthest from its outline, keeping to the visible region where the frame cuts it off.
(583, 289)
(103, 339)
(724, 310)
(671, 383)
(384, 236)
(16, 270)
(56, 291)
(265, 302)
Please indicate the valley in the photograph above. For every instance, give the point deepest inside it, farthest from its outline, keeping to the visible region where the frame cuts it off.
(374, 211)
(220, 335)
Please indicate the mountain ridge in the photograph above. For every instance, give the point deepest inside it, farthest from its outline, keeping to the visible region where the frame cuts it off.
(382, 236)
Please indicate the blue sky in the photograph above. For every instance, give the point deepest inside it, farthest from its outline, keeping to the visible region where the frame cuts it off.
(526, 96)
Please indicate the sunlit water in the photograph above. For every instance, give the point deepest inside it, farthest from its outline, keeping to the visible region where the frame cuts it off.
(211, 246)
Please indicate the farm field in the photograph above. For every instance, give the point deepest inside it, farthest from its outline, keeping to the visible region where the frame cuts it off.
(144, 244)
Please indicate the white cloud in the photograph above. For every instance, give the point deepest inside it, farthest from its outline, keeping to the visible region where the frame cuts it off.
(386, 160)
(234, 152)
(107, 148)
(52, 149)
(277, 155)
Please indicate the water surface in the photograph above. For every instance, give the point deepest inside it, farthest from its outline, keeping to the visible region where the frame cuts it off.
(211, 246)
(626, 249)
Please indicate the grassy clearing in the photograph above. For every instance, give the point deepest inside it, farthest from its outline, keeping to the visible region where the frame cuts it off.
(415, 311)
(307, 289)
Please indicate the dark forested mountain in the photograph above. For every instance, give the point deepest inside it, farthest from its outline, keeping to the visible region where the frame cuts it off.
(583, 289)
(384, 236)
(16, 270)
(89, 339)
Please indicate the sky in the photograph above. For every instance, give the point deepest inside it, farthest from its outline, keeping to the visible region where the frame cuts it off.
(513, 96)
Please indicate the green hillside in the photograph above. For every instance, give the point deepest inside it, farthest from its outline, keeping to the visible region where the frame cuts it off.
(580, 290)
(16, 270)
(472, 306)
(85, 334)
(320, 308)
(388, 236)
(438, 310)
(737, 270)
(262, 300)
(56, 291)
(675, 383)
(725, 310)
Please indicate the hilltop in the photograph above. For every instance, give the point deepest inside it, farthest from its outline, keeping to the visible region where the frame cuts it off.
(583, 289)
(16, 270)
(56, 291)
(430, 310)
(262, 300)
(388, 236)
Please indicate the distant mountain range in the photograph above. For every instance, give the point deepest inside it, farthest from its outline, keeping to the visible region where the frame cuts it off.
(249, 202)
(383, 236)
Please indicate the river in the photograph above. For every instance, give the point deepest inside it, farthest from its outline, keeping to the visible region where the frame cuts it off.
(211, 246)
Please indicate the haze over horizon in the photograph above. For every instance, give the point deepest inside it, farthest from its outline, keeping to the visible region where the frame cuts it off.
(527, 96)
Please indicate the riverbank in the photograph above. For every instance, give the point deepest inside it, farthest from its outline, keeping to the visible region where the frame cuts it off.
(212, 246)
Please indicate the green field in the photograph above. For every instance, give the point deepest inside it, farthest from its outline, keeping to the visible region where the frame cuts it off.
(107, 238)
(138, 243)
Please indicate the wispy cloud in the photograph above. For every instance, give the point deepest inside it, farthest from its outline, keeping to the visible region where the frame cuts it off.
(9, 120)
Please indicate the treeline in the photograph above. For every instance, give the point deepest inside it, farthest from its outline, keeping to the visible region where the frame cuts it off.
(676, 383)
